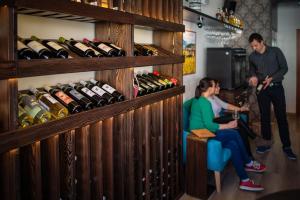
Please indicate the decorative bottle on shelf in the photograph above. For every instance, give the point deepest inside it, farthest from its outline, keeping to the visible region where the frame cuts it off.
(24, 119)
(146, 87)
(157, 80)
(56, 109)
(99, 91)
(153, 86)
(59, 51)
(97, 100)
(160, 86)
(166, 82)
(64, 99)
(42, 51)
(165, 78)
(102, 48)
(79, 48)
(119, 97)
(85, 103)
(25, 52)
(33, 109)
(119, 50)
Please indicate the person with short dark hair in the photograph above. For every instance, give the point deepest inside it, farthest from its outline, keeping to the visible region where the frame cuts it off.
(202, 118)
(268, 66)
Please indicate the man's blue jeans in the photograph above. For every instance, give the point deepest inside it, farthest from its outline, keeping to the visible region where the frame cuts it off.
(231, 139)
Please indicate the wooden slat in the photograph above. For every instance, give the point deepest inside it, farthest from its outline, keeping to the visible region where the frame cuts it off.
(82, 181)
(108, 158)
(179, 130)
(176, 11)
(159, 9)
(67, 165)
(96, 161)
(127, 5)
(166, 149)
(153, 8)
(166, 10)
(171, 10)
(146, 144)
(146, 8)
(7, 70)
(50, 168)
(138, 7)
(31, 176)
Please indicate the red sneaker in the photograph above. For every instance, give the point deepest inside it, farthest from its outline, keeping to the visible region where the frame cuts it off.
(256, 167)
(250, 186)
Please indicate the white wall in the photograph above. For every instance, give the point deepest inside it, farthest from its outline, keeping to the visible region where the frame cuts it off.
(288, 22)
(192, 80)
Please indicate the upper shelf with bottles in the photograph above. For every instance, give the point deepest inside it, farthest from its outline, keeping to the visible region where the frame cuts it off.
(71, 10)
(208, 21)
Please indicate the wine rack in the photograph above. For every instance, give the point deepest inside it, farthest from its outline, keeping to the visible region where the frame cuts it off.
(127, 150)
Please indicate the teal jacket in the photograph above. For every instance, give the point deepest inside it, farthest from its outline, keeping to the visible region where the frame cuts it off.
(202, 115)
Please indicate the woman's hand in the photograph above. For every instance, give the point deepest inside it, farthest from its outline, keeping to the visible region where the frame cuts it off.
(232, 124)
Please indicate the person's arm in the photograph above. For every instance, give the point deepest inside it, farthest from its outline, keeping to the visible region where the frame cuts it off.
(283, 67)
(226, 105)
(253, 80)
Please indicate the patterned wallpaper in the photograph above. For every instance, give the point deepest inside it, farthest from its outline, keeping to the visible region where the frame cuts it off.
(256, 15)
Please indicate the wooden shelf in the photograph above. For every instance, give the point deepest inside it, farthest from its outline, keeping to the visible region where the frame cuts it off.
(22, 137)
(193, 16)
(27, 68)
(86, 13)
(7, 70)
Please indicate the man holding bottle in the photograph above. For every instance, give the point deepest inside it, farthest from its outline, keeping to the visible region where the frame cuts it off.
(267, 69)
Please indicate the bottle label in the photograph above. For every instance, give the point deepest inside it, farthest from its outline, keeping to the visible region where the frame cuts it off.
(98, 90)
(50, 98)
(104, 47)
(115, 46)
(108, 88)
(44, 105)
(32, 111)
(62, 96)
(88, 92)
(54, 45)
(37, 47)
(81, 46)
(76, 94)
(93, 81)
(83, 83)
(21, 46)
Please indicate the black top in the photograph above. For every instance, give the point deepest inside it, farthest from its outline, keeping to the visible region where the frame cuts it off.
(271, 63)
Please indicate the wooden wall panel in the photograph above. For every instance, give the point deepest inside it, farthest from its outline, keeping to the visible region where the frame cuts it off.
(153, 8)
(171, 10)
(82, 149)
(96, 161)
(166, 148)
(166, 10)
(67, 165)
(159, 9)
(138, 7)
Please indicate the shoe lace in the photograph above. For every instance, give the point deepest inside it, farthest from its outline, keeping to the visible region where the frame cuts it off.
(256, 165)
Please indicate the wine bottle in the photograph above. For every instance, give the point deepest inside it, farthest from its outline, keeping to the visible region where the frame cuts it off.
(102, 48)
(165, 81)
(119, 50)
(119, 97)
(24, 52)
(24, 119)
(41, 50)
(64, 99)
(56, 109)
(166, 78)
(59, 51)
(260, 86)
(143, 51)
(33, 109)
(141, 91)
(151, 48)
(153, 86)
(148, 81)
(79, 48)
(146, 87)
(97, 100)
(162, 85)
(99, 91)
(85, 103)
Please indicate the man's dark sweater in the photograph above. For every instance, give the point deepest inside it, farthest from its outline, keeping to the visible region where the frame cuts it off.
(271, 63)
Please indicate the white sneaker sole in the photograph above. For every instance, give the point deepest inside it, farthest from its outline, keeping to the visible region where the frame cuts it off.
(251, 189)
(252, 170)
(262, 152)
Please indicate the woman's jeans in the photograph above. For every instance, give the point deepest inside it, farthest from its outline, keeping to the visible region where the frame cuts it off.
(231, 139)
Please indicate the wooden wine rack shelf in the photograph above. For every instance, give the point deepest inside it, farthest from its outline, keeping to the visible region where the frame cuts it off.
(25, 136)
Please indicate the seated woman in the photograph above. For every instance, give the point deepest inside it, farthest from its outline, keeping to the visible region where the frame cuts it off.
(218, 105)
(202, 118)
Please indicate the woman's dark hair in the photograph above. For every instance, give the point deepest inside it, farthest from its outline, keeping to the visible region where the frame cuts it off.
(204, 84)
(216, 81)
(255, 36)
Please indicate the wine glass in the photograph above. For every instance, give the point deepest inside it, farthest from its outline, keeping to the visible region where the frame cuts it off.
(236, 115)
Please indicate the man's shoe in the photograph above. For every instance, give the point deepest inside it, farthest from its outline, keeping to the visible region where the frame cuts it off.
(289, 153)
(250, 186)
(263, 149)
(256, 167)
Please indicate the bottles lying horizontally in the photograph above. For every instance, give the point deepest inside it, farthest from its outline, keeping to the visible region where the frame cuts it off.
(149, 50)
(36, 48)
(38, 106)
(152, 82)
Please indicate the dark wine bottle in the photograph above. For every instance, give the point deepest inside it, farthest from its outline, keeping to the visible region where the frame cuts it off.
(143, 51)
(99, 91)
(25, 52)
(169, 83)
(146, 87)
(64, 99)
(141, 91)
(148, 83)
(120, 51)
(119, 97)
(41, 50)
(102, 48)
(97, 100)
(77, 47)
(57, 50)
(85, 103)
(166, 78)
(161, 85)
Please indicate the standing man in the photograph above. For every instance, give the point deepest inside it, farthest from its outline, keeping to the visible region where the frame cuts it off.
(268, 66)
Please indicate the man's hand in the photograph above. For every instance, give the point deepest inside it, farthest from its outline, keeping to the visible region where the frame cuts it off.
(253, 81)
(232, 124)
(267, 82)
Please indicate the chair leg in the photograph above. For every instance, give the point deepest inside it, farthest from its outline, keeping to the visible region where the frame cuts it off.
(218, 181)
